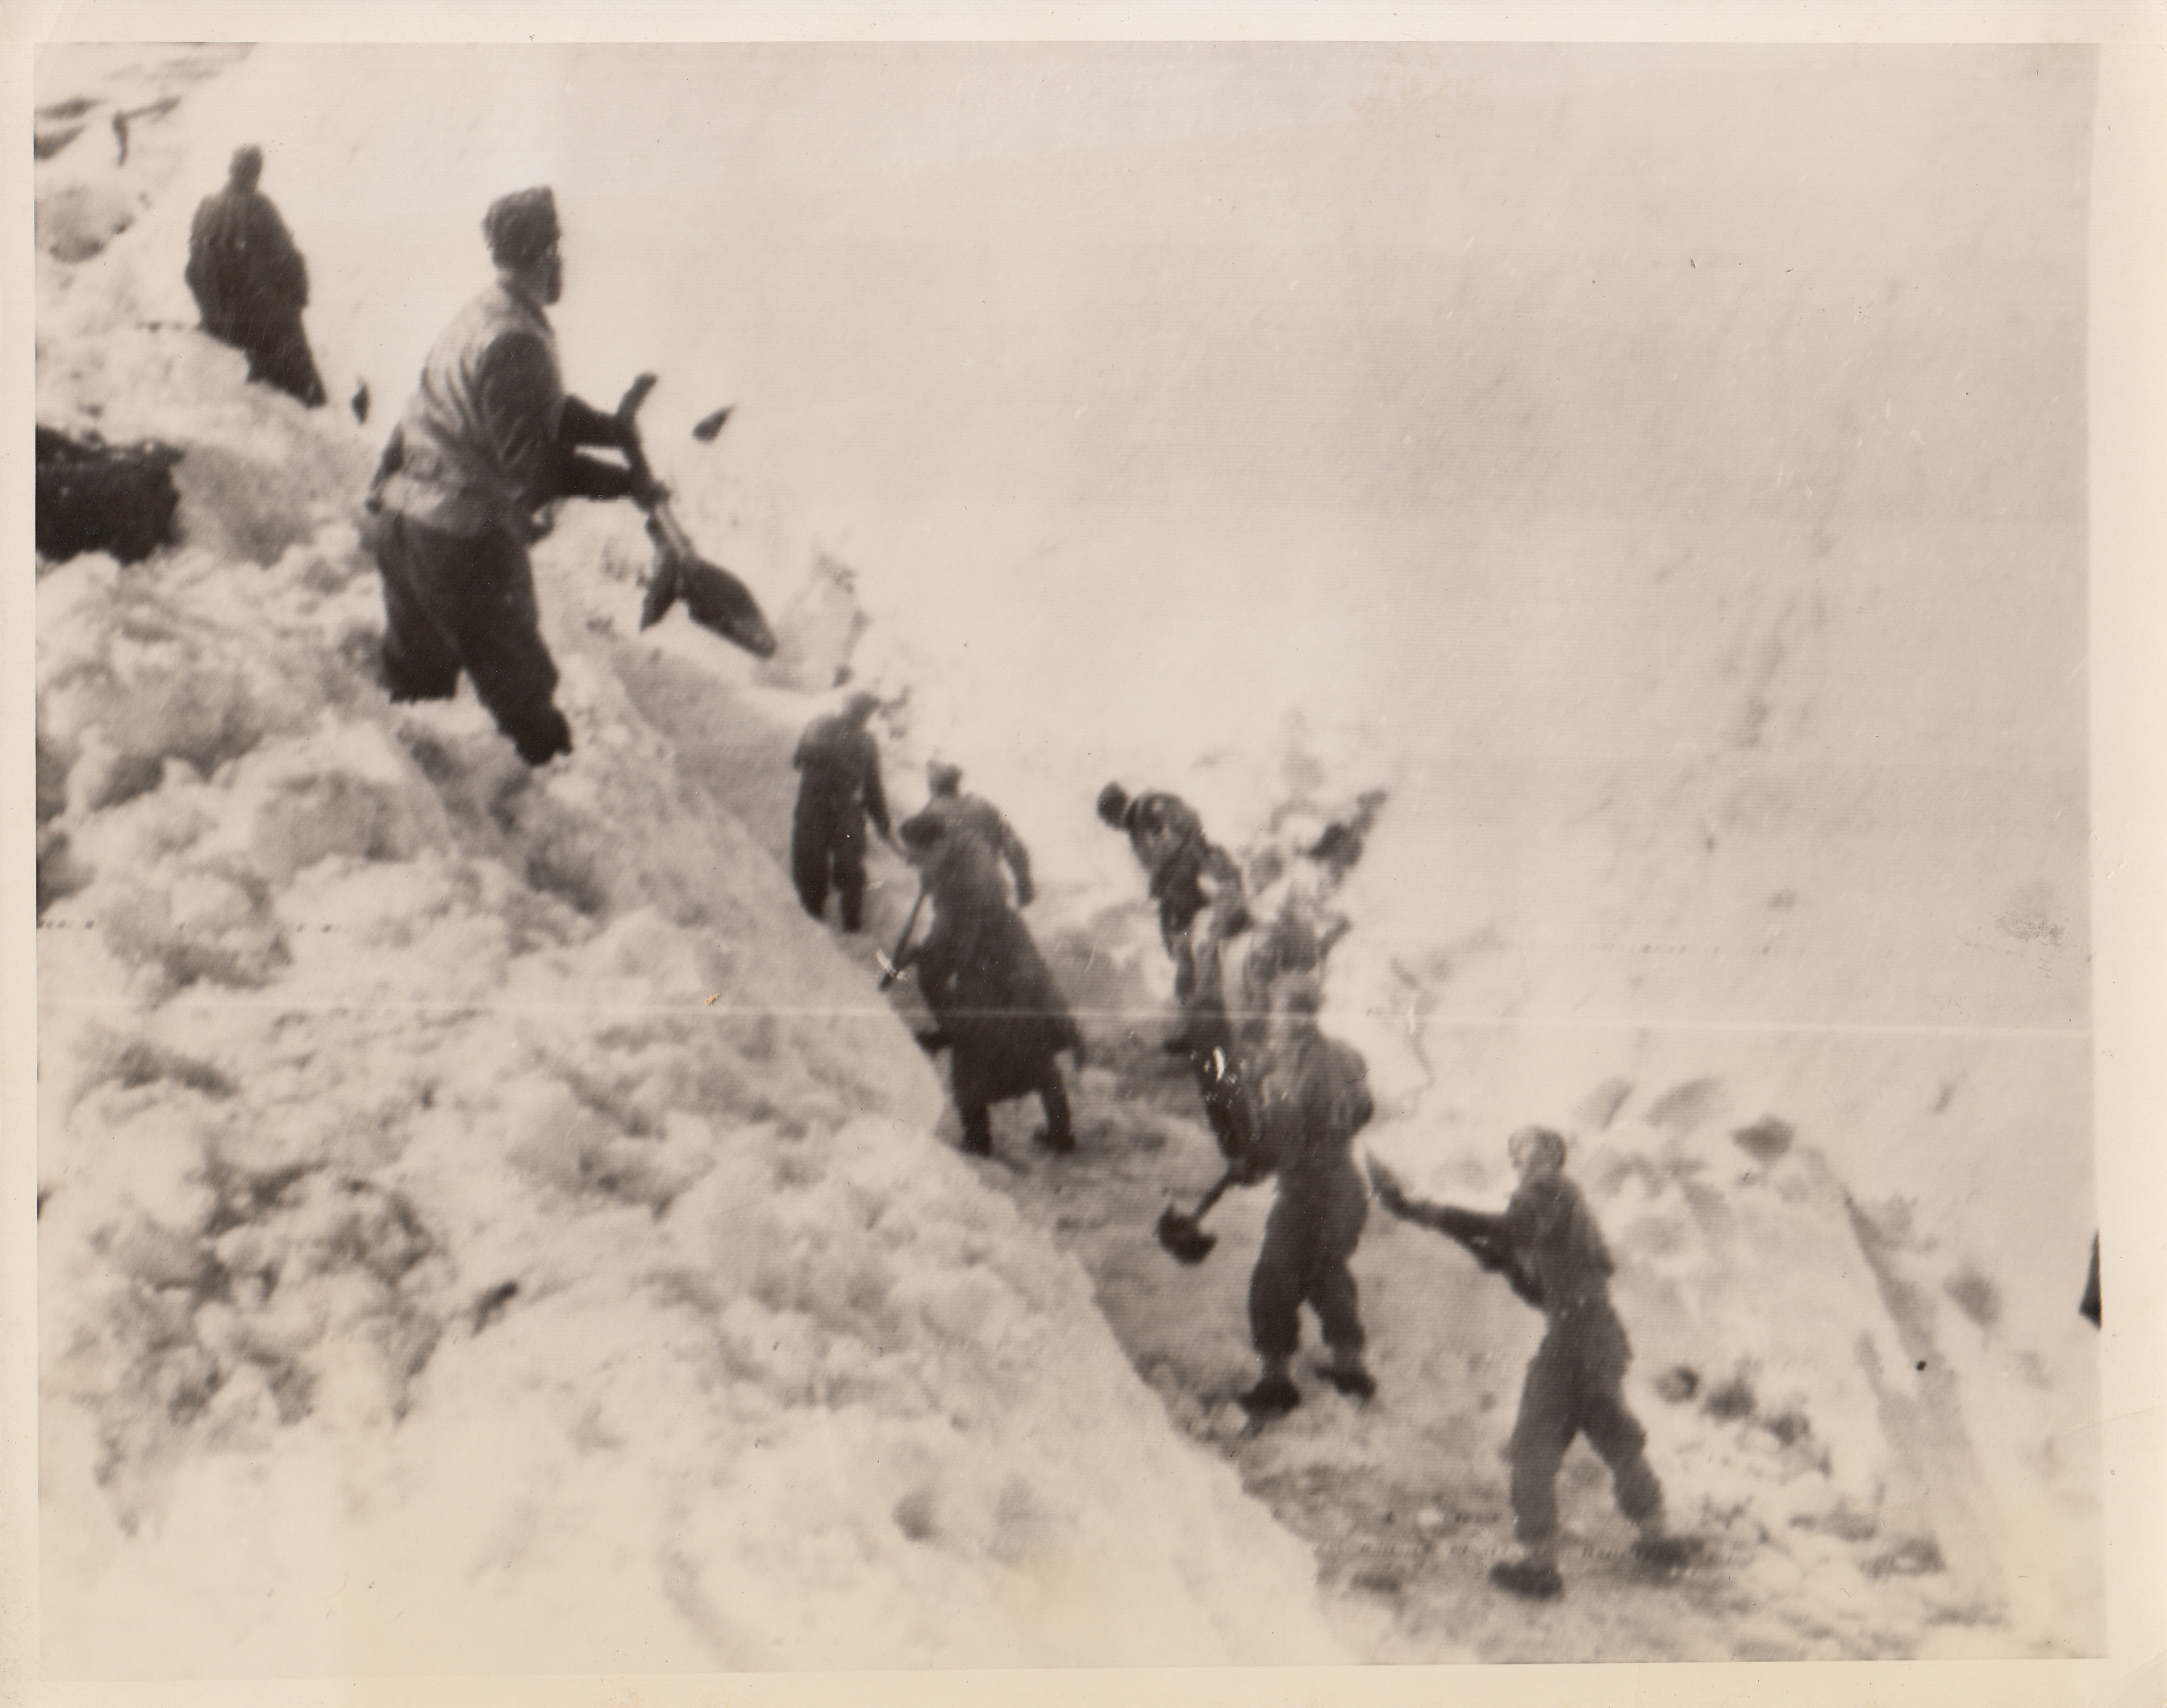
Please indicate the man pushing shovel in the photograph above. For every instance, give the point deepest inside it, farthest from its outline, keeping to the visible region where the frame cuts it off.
(1547, 1246)
(1310, 1100)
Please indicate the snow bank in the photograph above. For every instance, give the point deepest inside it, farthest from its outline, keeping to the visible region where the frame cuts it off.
(483, 1224)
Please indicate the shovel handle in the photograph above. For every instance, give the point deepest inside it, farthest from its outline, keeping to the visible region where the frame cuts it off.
(635, 457)
(890, 972)
(1219, 1189)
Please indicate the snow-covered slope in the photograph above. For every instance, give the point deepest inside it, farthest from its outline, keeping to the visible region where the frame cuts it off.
(485, 1225)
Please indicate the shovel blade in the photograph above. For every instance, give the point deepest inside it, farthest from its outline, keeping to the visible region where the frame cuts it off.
(1185, 1241)
(663, 587)
(723, 604)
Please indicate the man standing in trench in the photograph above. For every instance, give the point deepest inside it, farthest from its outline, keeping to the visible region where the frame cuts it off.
(1313, 1098)
(839, 789)
(490, 438)
(1549, 1248)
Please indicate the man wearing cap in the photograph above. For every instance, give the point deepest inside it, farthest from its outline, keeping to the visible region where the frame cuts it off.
(973, 815)
(1312, 1096)
(490, 438)
(1549, 1248)
(839, 789)
(250, 282)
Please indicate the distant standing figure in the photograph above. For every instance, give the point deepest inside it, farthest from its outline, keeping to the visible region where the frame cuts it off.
(1311, 1098)
(488, 439)
(1000, 1014)
(250, 282)
(2088, 1307)
(976, 816)
(839, 789)
(1549, 1247)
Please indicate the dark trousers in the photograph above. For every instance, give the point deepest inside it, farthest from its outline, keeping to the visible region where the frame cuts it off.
(1309, 1238)
(1052, 1097)
(466, 601)
(1574, 1388)
(280, 356)
(824, 853)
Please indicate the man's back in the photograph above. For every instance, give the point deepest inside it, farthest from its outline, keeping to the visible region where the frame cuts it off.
(1160, 826)
(837, 757)
(242, 264)
(1314, 1097)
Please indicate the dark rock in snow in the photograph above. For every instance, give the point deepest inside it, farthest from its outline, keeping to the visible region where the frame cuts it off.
(96, 497)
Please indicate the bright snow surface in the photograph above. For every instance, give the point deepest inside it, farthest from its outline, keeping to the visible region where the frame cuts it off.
(485, 1224)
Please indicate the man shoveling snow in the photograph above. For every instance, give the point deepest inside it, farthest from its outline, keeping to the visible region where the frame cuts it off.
(490, 438)
(1547, 1245)
(1313, 1099)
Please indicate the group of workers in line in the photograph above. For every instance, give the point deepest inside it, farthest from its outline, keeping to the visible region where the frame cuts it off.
(1285, 1100)
(491, 439)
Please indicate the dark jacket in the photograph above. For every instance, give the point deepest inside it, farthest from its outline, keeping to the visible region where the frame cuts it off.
(1559, 1260)
(1168, 840)
(973, 816)
(248, 279)
(1312, 1098)
(490, 435)
(840, 785)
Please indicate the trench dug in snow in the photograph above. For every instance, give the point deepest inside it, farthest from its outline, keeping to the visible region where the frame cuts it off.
(483, 1224)
(415, 1123)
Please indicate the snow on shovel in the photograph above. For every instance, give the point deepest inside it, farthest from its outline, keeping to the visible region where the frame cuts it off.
(1184, 1236)
(713, 598)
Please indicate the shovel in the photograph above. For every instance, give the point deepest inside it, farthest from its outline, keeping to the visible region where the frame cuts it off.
(890, 963)
(714, 599)
(1182, 1235)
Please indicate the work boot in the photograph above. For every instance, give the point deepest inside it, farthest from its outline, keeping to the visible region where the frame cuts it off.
(977, 1134)
(1273, 1396)
(1530, 1578)
(1062, 1143)
(1347, 1372)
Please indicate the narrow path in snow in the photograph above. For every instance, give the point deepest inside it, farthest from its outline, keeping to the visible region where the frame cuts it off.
(1403, 1499)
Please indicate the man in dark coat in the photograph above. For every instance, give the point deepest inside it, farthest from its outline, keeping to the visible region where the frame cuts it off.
(1190, 878)
(1000, 1014)
(839, 789)
(1549, 1247)
(1312, 1097)
(974, 815)
(250, 282)
(490, 438)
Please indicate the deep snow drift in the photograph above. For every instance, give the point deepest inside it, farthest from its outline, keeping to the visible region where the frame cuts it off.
(485, 1225)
